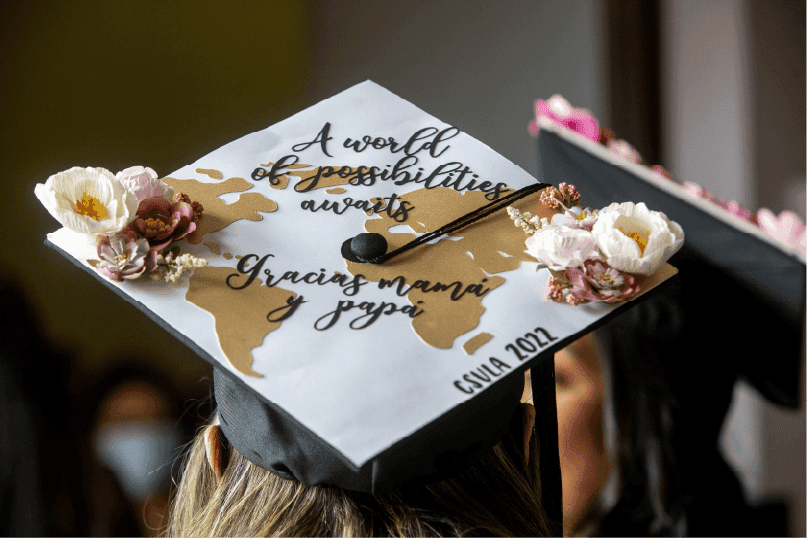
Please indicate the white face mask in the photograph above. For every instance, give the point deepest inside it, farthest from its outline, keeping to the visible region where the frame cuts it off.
(140, 453)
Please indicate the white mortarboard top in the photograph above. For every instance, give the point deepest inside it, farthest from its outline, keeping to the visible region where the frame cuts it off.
(333, 371)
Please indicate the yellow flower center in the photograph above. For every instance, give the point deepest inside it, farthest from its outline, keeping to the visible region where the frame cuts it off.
(582, 216)
(123, 257)
(641, 239)
(155, 227)
(91, 206)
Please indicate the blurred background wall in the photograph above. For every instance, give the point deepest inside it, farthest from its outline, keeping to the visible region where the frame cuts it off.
(712, 89)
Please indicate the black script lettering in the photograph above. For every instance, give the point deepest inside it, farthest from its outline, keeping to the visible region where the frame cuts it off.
(322, 138)
(457, 292)
(412, 310)
(423, 134)
(294, 276)
(497, 191)
(361, 205)
(310, 183)
(352, 288)
(342, 306)
(386, 204)
(291, 307)
(317, 277)
(443, 169)
(253, 272)
(381, 143)
(399, 281)
(377, 143)
(372, 313)
(399, 174)
(456, 183)
(327, 205)
(441, 137)
(343, 172)
(356, 144)
(431, 137)
(277, 170)
(366, 176)
(259, 173)
(403, 211)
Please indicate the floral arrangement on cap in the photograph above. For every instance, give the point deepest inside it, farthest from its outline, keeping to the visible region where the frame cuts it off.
(596, 255)
(787, 227)
(133, 216)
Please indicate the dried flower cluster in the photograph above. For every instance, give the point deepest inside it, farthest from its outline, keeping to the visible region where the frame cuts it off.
(565, 196)
(526, 221)
(133, 216)
(597, 252)
(170, 268)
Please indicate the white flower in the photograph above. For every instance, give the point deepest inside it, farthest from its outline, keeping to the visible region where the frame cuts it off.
(635, 239)
(576, 217)
(144, 183)
(87, 200)
(561, 247)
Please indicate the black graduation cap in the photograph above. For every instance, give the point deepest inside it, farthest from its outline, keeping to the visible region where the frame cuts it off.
(743, 289)
(329, 370)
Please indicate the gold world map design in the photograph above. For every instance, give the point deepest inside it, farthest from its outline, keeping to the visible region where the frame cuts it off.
(476, 254)
(472, 255)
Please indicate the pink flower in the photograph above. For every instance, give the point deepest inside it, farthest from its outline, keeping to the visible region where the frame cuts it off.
(124, 256)
(625, 149)
(661, 171)
(693, 189)
(597, 281)
(787, 227)
(732, 207)
(162, 222)
(559, 111)
(197, 206)
(739, 211)
(143, 183)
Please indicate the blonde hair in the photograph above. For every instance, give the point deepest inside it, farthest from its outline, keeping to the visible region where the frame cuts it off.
(497, 493)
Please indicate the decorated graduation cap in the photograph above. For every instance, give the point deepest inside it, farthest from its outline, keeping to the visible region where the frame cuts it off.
(359, 276)
(743, 274)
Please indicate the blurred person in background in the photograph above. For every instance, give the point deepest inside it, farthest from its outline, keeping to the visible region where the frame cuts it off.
(50, 483)
(137, 433)
(641, 403)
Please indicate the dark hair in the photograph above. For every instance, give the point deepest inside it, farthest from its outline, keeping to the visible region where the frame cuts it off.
(670, 389)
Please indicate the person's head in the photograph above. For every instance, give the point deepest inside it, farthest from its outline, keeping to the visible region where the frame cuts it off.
(497, 492)
(614, 424)
(584, 461)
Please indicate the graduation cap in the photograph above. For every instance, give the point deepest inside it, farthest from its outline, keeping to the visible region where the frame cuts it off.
(744, 288)
(353, 275)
